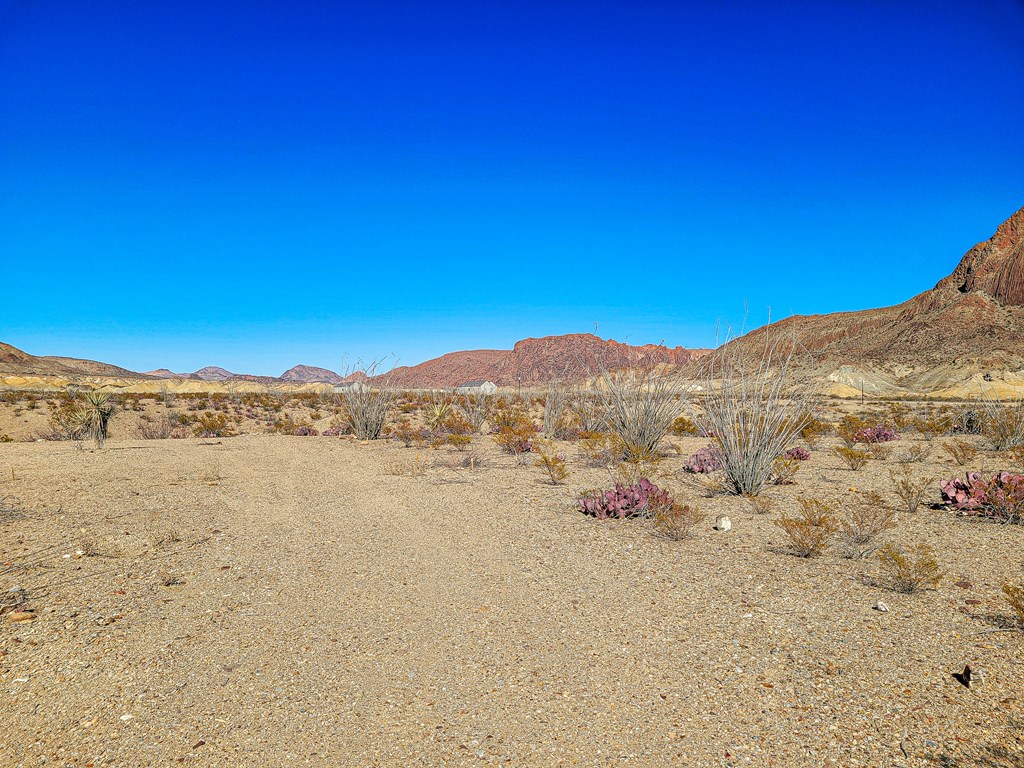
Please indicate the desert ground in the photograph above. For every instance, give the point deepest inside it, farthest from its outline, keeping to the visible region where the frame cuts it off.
(271, 599)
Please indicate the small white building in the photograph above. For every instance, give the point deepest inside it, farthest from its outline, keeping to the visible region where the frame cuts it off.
(477, 388)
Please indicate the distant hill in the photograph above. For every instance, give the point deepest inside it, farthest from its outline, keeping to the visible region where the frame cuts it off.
(969, 326)
(310, 374)
(536, 361)
(15, 361)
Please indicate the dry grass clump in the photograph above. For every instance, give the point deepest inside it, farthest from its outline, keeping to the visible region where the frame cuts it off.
(962, 451)
(1003, 424)
(910, 569)
(814, 430)
(810, 533)
(855, 458)
(863, 523)
(675, 521)
(911, 491)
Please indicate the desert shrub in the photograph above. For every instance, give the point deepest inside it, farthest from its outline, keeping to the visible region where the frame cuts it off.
(910, 491)
(968, 420)
(914, 453)
(784, 471)
(556, 404)
(159, 428)
(879, 451)
(1001, 498)
(1015, 598)
(476, 409)
(213, 425)
(65, 421)
(854, 458)
(880, 433)
(640, 405)
(633, 469)
(456, 423)
(708, 459)
(684, 426)
(814, 429)
(516, 439)
(675, 521)
(5, 438)
(368, 408)
(848, 427)
(932, 425)
(550, 461)
(599, 448)
(624, 501)
(899, 416)
(810, 533)
(458, 442)
(909, 570)
(747, 408)
(406, 433)
(960, 450)
(797, 454)
(588, 413)
(862, 522)
(1003, 424)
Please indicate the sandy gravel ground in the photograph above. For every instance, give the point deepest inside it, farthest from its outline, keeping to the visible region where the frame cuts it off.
(280, 601)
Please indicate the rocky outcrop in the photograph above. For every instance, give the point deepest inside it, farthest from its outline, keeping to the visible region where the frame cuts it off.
(970, 321)
(310, 374)
(536, 361)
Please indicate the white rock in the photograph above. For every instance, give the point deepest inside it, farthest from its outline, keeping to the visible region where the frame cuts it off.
(880, 606)
(723, 523)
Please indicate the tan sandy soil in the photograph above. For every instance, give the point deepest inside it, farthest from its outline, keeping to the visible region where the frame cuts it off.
(272, 600)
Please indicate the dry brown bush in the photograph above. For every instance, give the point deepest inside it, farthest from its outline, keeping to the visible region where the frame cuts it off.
(811, 532)
(961, 451)
(880, 451)
(863, 523)
(914, 453)
(676, 521)
(911, 569)
(854, 458)
(910, 490)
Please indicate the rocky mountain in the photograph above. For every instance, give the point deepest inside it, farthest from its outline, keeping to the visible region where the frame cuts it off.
(310, 374)
(15, 361)
(966, 330)
(536, 361)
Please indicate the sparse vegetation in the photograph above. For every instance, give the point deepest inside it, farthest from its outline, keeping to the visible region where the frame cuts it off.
(911, 491)
(810, 533)
(1015, 599)
(638, 499)
(749, 412)
(640, 406)
(862, 522)
(960, 450)
(675, 521)
(854, 458)
(551, 462)
(910, 569)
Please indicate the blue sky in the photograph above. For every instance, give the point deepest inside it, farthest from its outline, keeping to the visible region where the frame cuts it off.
(264, 184)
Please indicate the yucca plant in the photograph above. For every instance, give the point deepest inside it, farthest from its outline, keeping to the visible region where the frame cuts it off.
(93, 413)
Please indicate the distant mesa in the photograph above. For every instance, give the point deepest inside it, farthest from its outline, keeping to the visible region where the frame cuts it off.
(536, 361)
(214, 373)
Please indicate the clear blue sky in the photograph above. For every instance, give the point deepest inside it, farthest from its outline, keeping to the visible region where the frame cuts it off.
(256, 185)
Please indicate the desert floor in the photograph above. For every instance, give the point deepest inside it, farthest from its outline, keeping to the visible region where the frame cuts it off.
(276, 600)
